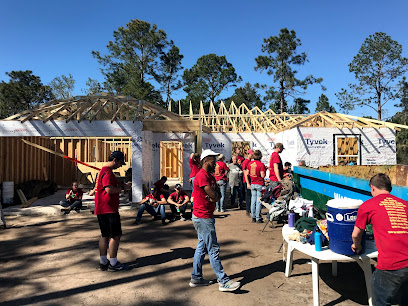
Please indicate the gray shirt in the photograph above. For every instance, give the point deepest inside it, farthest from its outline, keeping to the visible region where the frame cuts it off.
(235, 175)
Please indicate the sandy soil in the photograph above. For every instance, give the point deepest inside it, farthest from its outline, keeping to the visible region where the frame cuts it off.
(54, 260)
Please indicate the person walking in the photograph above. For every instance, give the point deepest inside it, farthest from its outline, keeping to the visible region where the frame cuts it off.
(206, 193)
(107, 192)
(235, 181)
(247, 188)
(257, 172)
(388, 216)
(220, 174)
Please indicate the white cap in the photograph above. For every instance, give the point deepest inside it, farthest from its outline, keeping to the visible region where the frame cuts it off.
(208, 152)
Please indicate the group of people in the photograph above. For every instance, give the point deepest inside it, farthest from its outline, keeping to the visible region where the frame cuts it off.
(246, 178)
(386, 213)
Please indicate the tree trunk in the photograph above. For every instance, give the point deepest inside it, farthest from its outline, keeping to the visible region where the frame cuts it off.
(379, 106)
(282, 92)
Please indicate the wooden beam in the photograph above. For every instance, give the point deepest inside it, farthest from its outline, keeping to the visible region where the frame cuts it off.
(173, 126)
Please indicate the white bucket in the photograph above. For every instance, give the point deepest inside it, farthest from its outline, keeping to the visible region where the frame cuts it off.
(8, 192)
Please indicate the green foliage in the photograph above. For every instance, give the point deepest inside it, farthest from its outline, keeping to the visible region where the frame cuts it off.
(377, 68)
(247, 95)
(282, 56)
(92, 87)
(168, 72)
(209, 77)
(133, 59)
(401, 117)
(62, 87)
(299, 106)
(324, 105)
(23, 91)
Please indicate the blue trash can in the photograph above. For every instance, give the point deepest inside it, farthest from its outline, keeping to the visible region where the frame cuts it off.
(341, 217)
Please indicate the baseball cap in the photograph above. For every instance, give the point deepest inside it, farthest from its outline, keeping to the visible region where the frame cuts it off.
(221, 156)
(178, 186)
(250, 151)
(119, 156)
(279, 145)
(208, 152)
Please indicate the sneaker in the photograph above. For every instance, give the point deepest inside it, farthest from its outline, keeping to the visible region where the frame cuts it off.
(253, 220)
(200, 282)
(229, 286)
(103, 267)
(164, 222)
(78, 210)
(217, 210)
(183, 219)
(260, 221)
(137, 222)
(222, 210)
(118, 267)
(248, 214)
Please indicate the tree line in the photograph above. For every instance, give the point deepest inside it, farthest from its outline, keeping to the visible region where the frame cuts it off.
(141, 61)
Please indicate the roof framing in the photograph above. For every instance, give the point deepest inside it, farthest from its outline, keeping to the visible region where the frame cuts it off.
(241, 119)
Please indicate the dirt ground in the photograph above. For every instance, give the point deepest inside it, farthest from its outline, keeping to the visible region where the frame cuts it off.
(53, 260)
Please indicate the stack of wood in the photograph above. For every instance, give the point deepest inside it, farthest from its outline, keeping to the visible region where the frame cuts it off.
(23, 199)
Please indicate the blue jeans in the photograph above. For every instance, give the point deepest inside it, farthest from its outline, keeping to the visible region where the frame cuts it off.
(223, 186)
(234, 191)
(192, 184)
(390, 287)
(151, 210)
(248, 198)
(207, 243)
(76, 205)
(256, 191)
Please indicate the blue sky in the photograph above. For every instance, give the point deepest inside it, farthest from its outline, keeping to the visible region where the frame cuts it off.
(52, 38)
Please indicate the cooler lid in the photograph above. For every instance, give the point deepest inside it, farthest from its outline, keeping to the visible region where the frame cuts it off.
(344, 203)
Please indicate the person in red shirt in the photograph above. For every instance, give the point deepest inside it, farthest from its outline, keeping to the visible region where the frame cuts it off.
(238, 155)
(107, 192)
(206, 193)
(195, 166)
(256, 172)
(162, 186)
(179, 200)
(276, 166)
(388, 216)
(73, 199)
(246, 192)
(220, 174)
(153, 203)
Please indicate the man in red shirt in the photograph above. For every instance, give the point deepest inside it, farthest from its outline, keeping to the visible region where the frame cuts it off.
(247, 191)
(206, 193)
(179, 200)
(107, 192)
(276, 166)
(195, 166)
(161, 186)
(73, 199)
(257, 172)
(220, 174)
(388, 216)
(153, 203)
(238, 155)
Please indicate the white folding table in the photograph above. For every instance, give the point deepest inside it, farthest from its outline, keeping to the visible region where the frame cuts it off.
(326, 254)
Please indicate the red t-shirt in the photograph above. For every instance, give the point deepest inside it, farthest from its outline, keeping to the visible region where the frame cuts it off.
(244, 167)
(241, 158)
(178, 197)
(203, 208)
(255, 167)
(77, 194)
(151, 196)
(221, 170)
(106, 203)
(275, 159)
(388, 215)
(195, 166)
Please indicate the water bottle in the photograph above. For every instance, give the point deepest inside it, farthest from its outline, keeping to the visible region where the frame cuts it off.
(178, 209)
(291, 219)
(318, 240)
(310, 215)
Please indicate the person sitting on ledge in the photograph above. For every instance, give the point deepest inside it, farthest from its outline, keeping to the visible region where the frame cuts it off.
(73, 199)
(179, 200)
(153, 203)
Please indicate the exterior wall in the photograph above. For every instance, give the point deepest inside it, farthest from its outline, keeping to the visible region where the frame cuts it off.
(188, 142)
(147, 161)
(102, 128)
(316, 145)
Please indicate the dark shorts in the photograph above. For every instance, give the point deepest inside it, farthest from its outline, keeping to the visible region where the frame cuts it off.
(110, 225)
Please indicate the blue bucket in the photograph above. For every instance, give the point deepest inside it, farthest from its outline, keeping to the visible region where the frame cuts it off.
(341, 217)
